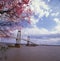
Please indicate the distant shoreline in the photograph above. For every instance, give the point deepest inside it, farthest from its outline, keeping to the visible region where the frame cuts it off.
(29, 44)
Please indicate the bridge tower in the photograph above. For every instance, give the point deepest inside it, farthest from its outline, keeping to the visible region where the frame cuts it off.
(28, 41)
(18, 39)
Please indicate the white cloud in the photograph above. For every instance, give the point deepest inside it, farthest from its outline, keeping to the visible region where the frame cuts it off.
(55, 14)
(33, 20)
(56, 29)
(39, 7)
(48, 41)
(47, 13)
(57, 20)
(34, 31)
(49, 0)
(39, 31)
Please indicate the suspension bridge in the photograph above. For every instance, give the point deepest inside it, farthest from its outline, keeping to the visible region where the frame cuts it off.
(18, 40)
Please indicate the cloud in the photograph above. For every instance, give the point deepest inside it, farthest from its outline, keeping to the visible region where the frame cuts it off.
(57, 20)
(48, 41)
(39, 31)
(34, 31)
(33, 20)
(56, 29)
(39, 8)
(49, 0)
(55, 14)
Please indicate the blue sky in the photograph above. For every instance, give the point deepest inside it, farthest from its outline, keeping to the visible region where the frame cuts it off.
(45, 18)
(44, 21)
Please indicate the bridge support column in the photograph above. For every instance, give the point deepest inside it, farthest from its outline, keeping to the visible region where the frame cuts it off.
(18, 39)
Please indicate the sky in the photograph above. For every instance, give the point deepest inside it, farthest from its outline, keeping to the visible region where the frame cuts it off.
(45, 18)
(44, 22)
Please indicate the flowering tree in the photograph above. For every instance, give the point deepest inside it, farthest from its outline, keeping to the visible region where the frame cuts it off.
(12, 12)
